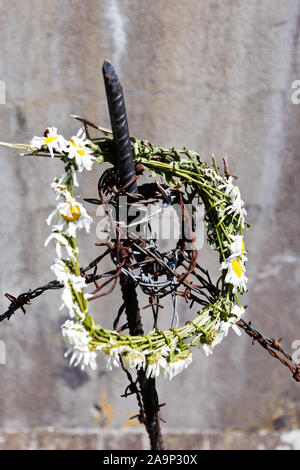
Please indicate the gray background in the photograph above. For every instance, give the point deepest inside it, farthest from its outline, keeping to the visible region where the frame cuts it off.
(214, 76)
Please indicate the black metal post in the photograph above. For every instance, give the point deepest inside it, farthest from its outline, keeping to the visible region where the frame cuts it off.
(118, 118)
(125, 164)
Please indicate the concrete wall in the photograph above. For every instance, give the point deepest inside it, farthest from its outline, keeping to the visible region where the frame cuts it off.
(214, 76)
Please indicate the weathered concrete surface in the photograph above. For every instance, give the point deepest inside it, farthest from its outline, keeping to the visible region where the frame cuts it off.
(95, 439)
(214, 76)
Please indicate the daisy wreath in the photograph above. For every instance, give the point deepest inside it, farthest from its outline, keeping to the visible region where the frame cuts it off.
(168, 352)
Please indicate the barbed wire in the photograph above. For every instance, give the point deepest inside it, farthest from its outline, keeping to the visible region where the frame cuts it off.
(140, 260)
(269, 344)
(273, 347)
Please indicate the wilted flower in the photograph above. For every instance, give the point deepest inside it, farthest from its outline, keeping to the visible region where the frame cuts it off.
(112, 352)
(235, 273)
(180, 362)
(64, 274)
(61, 242)
(236, 208)
(156, 362)
(133, 359)
(53, 141)
(70, 216)
(77, 338)
(79, 150)
(237, 247)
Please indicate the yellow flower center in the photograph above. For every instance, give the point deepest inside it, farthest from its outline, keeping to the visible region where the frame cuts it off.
(237, 267)
(49, 140)
(75, 211)
(74, 143)
(243, 246)
(80, 152)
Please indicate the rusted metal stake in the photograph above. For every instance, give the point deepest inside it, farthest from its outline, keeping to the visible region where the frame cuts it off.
(118, 119)
(125, 164)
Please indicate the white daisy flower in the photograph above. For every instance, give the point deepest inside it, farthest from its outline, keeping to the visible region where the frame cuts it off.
(156, 362)
(212, 174)
(61, 189)
(176, 366)
(219, 336)
(237, 247)
(75, 334)
(222, 329)
(61, 242)
(70, 216)
(235, 273)
(112, 352)
(61, 270)
(208, 348)
(79, 150)
(134, 359)
(54, 141)
(71, 283)
(232, 324)
(68, 302)
(238, 312)
(87, 357)
(226, 325)
(64, 275)
(77, 338)
(236, 208)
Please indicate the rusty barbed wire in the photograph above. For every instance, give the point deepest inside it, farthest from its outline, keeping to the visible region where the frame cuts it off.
(152, 262)
(273, 347)
(138, 261)
(25, 298)
(269, 344)
(129, 254)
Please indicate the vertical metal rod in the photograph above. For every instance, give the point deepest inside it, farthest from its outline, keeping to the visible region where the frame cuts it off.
(118, 118)
(125, 165)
